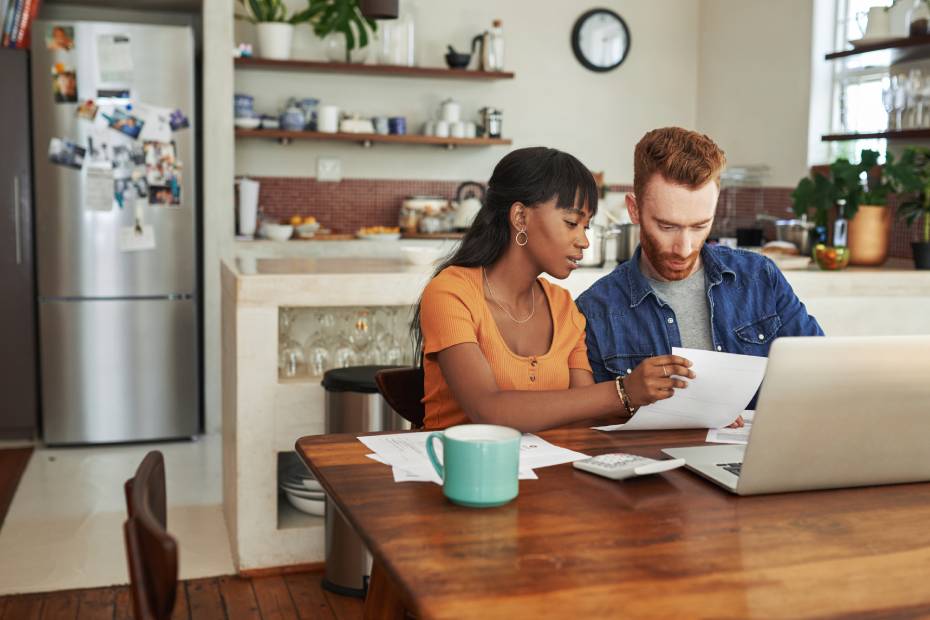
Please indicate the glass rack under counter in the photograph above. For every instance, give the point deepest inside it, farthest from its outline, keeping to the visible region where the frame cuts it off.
(312, 340)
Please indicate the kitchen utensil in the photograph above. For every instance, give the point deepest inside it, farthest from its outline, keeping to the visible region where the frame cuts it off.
(471, 129)
(413, 208)
(491, 120)
(397, 125)
(797, 231)
(442, 129)
(277, 232)
(243, 105)
(381, 125)
(594, 254)
(627, 240)
(469, 197)
(308, 106)
(457, 129)
(356, 125)
(450, 111)
(328, 119)
(293, 119)
(247, 123)
(457, 60)
(248, 206)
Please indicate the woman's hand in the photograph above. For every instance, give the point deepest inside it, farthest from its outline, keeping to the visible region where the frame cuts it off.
(652, 379)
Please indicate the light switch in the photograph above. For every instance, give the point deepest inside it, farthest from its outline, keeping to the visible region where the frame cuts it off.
(328, 169)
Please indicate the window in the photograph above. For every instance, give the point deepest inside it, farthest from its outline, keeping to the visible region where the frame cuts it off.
(857, 88)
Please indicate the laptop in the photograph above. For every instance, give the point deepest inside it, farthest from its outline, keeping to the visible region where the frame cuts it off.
(832, 413)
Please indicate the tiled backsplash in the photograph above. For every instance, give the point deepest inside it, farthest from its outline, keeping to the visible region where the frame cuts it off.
(352, 203)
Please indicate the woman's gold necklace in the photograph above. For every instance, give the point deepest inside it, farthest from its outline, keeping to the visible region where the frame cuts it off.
(501, 306)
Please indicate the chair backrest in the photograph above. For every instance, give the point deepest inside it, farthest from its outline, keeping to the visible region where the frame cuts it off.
(152, 553)
(402, 388)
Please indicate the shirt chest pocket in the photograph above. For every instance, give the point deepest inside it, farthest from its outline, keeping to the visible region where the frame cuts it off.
(762, 331)
(624, 364)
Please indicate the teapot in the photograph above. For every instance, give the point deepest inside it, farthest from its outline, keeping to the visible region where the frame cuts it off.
(467, 204)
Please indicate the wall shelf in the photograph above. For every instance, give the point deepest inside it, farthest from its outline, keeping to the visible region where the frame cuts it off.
(367, 139)
(888, 52)
(360, 69)
(903, 134)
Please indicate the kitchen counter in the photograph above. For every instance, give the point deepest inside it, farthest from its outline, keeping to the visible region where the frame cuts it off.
(264, 414)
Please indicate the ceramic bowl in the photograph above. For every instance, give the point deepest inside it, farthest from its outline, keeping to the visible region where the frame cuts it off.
(310, 506)
(419, 255)
(277, 232)
(307, 230)
(301, 491)
(457, 60)
(248, 122)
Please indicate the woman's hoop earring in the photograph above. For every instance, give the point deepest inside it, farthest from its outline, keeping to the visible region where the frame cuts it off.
(526, 238)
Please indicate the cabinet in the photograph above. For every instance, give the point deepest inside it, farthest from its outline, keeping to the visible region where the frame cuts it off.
(18, 365)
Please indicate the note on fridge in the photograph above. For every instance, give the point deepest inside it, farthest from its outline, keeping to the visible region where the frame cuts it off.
(114, 58)
(157, 123)
(136, 238)
(98, 187)
(724, 384)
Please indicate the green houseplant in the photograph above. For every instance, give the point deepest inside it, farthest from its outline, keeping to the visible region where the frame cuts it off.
(342, 27)
(274, 26)
(913, 177)
(857, 192)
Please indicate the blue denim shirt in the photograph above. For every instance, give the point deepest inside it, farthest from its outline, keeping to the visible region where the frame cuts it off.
(751, 304)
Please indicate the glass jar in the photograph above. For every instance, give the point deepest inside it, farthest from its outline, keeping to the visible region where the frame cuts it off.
(396, 39)
(335, 45)
(918, 19)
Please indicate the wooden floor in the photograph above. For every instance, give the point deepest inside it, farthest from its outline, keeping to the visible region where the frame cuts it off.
(286, 597)
(12, 465)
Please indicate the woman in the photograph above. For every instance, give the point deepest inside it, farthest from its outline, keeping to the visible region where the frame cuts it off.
(500, 345)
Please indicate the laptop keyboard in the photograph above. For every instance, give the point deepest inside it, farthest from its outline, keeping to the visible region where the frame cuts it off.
(733, 468)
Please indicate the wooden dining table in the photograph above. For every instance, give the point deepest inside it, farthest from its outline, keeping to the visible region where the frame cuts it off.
(672, 545)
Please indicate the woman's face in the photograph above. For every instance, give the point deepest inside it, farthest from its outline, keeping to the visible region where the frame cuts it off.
(555, 237)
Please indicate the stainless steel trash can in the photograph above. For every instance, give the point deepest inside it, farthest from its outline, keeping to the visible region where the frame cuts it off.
(353, 405)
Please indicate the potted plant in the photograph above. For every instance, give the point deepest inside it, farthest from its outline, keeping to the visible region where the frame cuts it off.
(855, 193)
(275, 28)
(913, 178)
(343, 28)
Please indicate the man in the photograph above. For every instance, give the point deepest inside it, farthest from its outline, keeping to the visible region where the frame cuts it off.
(676, 291)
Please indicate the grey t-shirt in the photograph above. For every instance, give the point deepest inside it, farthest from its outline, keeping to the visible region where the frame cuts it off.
(688, 300)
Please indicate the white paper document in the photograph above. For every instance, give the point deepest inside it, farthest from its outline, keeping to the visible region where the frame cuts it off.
(406, 454)
(723, 386)
(732, 435)
(98, 188)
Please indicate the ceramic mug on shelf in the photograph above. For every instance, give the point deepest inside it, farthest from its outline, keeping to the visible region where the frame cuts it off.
(328, 119)
(442, 129)
(480, 464)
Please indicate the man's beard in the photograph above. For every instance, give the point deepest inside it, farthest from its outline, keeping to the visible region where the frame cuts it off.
(660, 260)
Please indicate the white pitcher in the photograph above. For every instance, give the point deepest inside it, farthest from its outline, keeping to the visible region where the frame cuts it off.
(248, 206)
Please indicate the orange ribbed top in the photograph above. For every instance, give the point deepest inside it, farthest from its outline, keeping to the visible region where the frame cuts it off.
(454, 311)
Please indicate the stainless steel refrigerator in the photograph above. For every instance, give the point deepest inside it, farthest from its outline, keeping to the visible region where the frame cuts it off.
(117, 287)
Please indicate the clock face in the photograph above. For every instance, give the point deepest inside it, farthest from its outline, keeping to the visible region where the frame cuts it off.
(600, 40)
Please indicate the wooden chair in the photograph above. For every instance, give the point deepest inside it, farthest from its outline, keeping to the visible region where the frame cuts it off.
(151, 552)
(402, 388)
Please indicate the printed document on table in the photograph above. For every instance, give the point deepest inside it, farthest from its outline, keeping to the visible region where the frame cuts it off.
(732, 435)
(723, 386)
(406, 452)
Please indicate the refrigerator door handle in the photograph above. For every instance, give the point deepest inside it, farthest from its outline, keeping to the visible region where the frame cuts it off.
(16, 220)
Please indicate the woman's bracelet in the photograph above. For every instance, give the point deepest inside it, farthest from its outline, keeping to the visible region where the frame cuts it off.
(624, 397)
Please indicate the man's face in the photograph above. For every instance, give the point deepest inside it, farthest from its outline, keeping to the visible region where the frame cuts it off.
(674, 221)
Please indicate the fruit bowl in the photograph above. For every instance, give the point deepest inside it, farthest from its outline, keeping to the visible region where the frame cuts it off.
(831, 257)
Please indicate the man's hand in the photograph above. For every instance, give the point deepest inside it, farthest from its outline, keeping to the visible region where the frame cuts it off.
(652, 379)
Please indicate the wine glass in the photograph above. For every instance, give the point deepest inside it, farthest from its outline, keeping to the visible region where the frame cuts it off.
(888, 97)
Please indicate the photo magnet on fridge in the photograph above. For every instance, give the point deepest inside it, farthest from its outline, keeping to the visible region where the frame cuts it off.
(179, 121)
(65, 153)
(124, 122)
(64, 84)
(87, 110)
(163, 173)
(59, 38)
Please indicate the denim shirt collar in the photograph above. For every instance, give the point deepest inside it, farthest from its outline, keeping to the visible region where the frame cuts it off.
(714, 269)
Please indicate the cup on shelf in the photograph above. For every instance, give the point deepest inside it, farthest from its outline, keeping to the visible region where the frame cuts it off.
(381, 125)
(442, 129)
(328, 119)
(471, 129)
(397, 125)
(429, 128)
(457, 129)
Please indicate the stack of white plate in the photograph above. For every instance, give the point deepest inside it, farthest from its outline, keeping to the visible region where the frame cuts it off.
(303, 492)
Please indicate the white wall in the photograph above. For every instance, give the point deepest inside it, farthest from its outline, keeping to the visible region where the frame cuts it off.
(553, 101)
(754, 82)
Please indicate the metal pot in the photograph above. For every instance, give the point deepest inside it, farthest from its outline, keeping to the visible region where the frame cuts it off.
(627, 241)
(797, 232)
(593, 255)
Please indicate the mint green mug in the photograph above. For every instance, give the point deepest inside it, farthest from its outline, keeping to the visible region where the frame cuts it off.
(481, 463)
